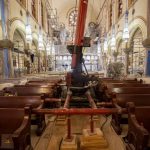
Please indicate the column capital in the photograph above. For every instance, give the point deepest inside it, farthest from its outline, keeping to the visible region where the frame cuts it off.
(6, 44)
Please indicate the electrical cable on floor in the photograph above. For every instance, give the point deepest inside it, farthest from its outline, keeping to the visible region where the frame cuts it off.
(60, 143)
(106, 119)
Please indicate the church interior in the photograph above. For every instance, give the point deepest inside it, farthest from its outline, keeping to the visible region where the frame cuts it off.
(74, 75)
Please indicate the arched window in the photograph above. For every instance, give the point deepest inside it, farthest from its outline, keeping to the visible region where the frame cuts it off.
(110, 15)
(33, 5)
(120, 8)
(73, 18)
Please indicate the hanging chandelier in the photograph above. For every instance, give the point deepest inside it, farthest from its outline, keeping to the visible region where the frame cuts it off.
(53, 49)
(113, 39)
(105, 44)
(28, 31)
(98, 47)
(126, 28)
(40, 45)
(48, 46)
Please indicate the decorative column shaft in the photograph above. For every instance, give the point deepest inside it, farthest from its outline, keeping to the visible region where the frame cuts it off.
(5, 44)
(146, 42)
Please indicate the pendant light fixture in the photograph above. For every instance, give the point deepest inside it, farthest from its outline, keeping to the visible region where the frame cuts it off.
(105, 44)
(48, 45)
(28, 28)
(126, 28)
(41, 45)
(113, 39)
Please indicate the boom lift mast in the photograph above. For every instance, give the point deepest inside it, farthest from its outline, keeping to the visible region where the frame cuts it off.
(77, 78)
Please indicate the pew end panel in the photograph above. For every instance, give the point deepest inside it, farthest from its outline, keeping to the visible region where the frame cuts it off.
(121, 101)
(138, 135)
(18, 130)
(35, 102)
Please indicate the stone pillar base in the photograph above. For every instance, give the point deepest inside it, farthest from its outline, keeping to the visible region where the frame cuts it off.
(69, 144)
(93, 141)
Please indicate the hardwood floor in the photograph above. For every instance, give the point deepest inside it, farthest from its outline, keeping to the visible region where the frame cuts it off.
(52, 136)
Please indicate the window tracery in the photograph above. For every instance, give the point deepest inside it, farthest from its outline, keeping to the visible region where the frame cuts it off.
(73, 18)
(110, 16)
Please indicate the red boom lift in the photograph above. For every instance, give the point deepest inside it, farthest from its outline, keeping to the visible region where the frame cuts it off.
(77, 78)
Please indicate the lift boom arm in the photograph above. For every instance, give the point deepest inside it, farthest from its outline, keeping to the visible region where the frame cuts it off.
(81, 19)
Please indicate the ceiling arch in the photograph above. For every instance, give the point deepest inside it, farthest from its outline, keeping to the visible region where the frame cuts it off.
(64, 6)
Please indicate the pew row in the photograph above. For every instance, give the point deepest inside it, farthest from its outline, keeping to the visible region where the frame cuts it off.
(112, 92)
(139, 128)
(15, 129)
(34, 102)
(44, 92)
(105, 84)
(120, 102)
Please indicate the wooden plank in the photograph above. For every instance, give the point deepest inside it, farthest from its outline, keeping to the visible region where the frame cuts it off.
(52, 137)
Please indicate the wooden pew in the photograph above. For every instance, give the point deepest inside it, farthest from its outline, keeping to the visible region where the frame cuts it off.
(46, 81)
(21, 101)
(112, 92)
(139, 128)
(104, 83)
(36, 85)
(116, 85)
(41, 83)
(55, 86)
(15, 129)
(44, 92)
(120, 102)
(1, 93)
(34, 102)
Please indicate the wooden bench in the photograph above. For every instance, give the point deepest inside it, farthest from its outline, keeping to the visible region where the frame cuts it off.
(41, 83)
(116, 85)
(139, 128)
(120, 102)
(112, 92)
(36, 85)
(103, 86)
(15, 129)
(34, 102)
(45, 80)
(55, 86)
(44, 92)
(1, 93)
(21, 101)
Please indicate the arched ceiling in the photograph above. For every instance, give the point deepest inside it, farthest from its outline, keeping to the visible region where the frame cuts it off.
(63, 7)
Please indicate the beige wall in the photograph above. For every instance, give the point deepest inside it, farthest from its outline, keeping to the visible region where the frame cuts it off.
(138, 19)
(18, 21)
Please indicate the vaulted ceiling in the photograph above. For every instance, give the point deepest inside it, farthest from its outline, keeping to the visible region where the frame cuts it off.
(65, 6)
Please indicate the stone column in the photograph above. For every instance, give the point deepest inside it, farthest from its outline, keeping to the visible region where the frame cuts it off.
(6, 45)
(126, 63)
(146, 42)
